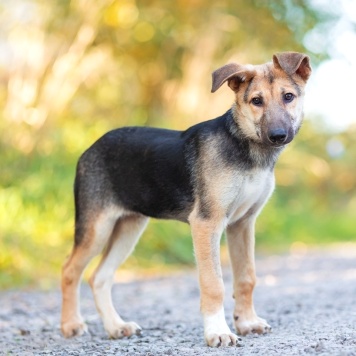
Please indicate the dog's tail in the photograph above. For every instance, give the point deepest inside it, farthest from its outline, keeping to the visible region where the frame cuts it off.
(89, 189)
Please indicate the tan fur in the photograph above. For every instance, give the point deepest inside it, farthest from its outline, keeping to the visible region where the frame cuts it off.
(99, 229)
(228, 193)
(238, 199)
(206, 240)
(240, 237)
(122, 241)
(250, 115)
(211, 171)
(71, 321)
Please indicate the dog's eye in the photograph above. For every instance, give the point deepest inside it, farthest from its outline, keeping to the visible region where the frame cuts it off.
(257, 101)
(288, 97)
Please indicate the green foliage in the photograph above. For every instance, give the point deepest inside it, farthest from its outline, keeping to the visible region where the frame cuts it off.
(313, 203)
(76, 70)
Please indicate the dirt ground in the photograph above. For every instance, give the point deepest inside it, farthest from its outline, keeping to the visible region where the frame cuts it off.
(308, 297)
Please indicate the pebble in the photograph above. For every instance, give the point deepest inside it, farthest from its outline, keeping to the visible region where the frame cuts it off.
(307, 316)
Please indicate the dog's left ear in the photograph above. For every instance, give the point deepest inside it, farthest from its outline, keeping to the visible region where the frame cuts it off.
(233, 73)
(293, 63)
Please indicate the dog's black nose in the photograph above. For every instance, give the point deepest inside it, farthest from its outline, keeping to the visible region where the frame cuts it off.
(277, 136)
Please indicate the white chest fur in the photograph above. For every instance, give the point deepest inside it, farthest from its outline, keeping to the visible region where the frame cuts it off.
(248, 193)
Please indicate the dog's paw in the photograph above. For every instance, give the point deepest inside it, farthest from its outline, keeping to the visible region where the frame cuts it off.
(216, 331)
(254, 326)
(73, 328)
(120, 330)
(223, 340)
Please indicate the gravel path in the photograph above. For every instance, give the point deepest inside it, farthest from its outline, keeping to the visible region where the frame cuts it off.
(308, 298)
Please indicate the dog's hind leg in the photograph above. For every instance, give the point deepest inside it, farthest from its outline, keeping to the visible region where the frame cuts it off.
(92, 234)
(241, 242)
(126, 233)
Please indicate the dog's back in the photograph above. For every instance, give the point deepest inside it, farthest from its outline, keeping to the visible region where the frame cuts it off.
(155, 172)
(140, 169)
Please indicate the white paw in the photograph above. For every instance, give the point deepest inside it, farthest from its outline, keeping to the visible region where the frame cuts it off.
(120, 330)
(217, 340)
(73, 328)
(216, 331)
(255, 325)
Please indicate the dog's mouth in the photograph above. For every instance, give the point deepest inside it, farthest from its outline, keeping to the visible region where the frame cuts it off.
(277, 145)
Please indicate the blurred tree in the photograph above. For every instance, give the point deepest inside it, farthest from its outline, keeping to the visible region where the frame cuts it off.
(71, 70)
(67, 54)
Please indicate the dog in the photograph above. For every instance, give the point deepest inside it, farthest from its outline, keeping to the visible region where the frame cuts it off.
(216, 175)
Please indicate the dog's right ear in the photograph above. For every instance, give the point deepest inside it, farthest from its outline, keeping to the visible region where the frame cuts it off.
(234, 74)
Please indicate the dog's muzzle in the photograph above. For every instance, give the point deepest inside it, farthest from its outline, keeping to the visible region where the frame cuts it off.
(277, 136)
(277, 129)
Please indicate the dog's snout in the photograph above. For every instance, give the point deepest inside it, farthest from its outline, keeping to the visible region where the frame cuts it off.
(277, 136)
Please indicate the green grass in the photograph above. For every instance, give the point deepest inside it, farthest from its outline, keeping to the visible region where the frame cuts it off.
(36, 211)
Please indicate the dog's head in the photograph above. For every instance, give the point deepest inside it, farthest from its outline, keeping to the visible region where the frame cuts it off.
(269, 97)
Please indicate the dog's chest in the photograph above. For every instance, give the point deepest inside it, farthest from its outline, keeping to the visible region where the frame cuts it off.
(249, 193)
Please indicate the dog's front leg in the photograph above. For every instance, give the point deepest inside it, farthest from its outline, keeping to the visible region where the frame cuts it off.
(206, 239)
(241, 242)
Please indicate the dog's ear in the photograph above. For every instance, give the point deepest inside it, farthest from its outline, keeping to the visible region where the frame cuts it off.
(233, 73)
(293, 63)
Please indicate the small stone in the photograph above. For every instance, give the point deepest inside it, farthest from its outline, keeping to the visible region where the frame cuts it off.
(25, 332)
(319, 346)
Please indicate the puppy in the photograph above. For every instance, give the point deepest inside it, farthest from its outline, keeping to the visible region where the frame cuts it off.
(216, 175)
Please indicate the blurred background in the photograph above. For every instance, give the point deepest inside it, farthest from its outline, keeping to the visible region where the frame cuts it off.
(72, 70)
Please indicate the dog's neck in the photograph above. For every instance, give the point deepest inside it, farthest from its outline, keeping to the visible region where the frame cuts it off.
(261, 155)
